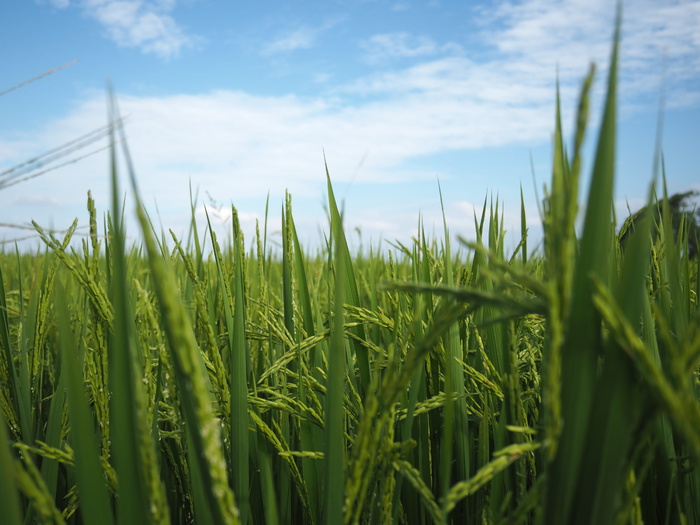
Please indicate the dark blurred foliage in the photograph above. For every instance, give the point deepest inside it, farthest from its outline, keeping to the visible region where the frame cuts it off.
(685, 217)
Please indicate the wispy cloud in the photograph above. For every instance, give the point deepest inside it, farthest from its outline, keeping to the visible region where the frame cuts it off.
(37, 200)
(59, 4)
(659, 38)
(400, 6)
(301, 37)
(146, 25)
(379, 48)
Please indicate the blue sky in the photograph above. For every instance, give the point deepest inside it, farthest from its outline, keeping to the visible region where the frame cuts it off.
(244, 98)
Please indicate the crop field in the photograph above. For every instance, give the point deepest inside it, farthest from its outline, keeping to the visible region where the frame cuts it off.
(221, 381)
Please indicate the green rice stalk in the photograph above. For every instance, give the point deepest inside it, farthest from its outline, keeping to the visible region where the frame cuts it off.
(334, 430)
(9, 497)
(583, 337)
(141, 496)
(49, 467)
(351, 295)
(283, 479)
(502, 460)
(560, 249)
(523, 229)
(416, 392)
(234, 316)
(283, 451)
(23, 391)
(204, 450)
(97, 293)
(94, 500)
(240, 367)
(205, 331)
(310, 436)
(267, 481)
(13, 406)
(456, 424)
(30, 482)
(678, 400)
(618, 403)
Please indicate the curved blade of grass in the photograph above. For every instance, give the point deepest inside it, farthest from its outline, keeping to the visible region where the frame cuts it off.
(502, 460)
(506, 305)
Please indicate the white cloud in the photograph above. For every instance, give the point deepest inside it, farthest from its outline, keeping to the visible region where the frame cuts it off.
(142, 24)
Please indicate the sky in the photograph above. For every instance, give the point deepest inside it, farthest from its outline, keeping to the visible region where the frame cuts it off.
(238, 102)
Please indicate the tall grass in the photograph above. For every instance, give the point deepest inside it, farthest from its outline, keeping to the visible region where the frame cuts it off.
(199, 382)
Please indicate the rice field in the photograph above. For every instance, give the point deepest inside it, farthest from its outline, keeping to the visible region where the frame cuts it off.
(219, 381)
